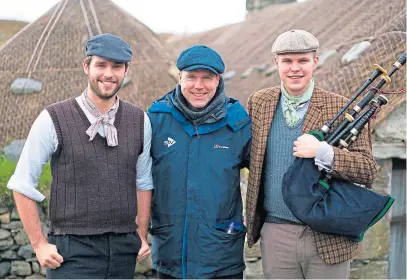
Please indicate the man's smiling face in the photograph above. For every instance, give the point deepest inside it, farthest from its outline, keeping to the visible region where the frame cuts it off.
(105, 76)
(198, 86)
(296, 70)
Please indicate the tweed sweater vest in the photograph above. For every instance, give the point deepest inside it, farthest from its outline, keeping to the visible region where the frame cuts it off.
(93, 188)
(279, 156)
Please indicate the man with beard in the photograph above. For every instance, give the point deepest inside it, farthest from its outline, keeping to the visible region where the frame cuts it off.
(99, 146)
(201, 140)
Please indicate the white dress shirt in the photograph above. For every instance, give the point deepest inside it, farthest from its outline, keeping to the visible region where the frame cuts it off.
(42, 142)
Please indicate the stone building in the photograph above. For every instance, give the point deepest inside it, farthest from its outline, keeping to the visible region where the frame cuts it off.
(257, 5)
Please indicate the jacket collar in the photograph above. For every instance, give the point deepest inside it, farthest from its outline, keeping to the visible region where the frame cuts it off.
(236, 117)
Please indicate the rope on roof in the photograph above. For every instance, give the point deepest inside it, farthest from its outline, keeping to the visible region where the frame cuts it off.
(86, 19)
(46, 38)
(39, 40)
(95, 17)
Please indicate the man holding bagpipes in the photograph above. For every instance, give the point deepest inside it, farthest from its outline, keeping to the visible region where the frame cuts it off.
(309, 226)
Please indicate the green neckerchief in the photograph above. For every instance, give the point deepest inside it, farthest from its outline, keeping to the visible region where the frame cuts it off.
(291, 103)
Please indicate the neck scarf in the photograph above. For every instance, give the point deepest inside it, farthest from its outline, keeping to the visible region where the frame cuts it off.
(291, 103)
(212, 112)
(104, 119)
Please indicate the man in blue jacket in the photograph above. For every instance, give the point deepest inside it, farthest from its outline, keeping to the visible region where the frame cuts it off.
(200, 141)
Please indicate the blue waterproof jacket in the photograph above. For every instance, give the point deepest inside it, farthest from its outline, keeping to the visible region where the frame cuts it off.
(196, 174)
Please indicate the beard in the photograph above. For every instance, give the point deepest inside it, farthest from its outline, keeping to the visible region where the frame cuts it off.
(93, 83)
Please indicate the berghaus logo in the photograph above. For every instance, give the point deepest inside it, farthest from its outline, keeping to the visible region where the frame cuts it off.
(217, 146)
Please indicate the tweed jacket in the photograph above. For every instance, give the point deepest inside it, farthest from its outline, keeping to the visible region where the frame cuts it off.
(356, 164)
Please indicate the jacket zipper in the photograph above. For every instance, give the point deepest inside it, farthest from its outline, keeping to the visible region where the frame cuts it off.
(185, 235)
(196, 130)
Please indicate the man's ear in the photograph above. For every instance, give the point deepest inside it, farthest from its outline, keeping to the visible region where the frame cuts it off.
(85, 67)
(179, 77)
(316, 61)
(276, 61)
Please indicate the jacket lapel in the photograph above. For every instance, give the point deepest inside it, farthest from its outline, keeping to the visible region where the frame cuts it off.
(266, 115)
(313, 118)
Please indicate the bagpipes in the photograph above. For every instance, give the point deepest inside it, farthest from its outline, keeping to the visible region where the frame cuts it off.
(334, 205)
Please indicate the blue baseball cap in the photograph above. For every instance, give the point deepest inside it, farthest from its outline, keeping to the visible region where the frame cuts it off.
(109, 47)
(200, 57)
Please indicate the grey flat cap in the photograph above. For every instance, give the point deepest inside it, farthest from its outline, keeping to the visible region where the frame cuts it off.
(295, 41)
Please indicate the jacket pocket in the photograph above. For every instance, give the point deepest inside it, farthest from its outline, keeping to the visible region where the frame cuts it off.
(221, 251)
(237, 230)
(164, 252)
(161, 229)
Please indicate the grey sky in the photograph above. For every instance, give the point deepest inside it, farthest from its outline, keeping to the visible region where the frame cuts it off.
(175, 16)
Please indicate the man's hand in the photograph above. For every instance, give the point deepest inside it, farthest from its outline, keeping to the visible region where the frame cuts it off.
(306, 146)
(143, 221)
(48, 256)
(144, 251)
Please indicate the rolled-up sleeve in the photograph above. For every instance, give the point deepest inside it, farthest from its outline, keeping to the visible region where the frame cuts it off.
(144, 161)
(41, 143)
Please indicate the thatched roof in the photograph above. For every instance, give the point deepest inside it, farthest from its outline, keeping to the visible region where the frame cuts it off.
(337, 24)
(51, 49)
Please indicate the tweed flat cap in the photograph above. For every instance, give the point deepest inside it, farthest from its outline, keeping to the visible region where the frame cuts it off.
(200, 57)
(109, 47)
(295, 41)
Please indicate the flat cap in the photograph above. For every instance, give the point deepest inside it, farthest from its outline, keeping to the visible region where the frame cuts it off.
(109, 47)
(295, 41)
(200, 57)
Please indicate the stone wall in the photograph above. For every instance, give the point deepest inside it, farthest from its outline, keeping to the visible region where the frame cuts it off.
(17, 257)
(371, 262)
